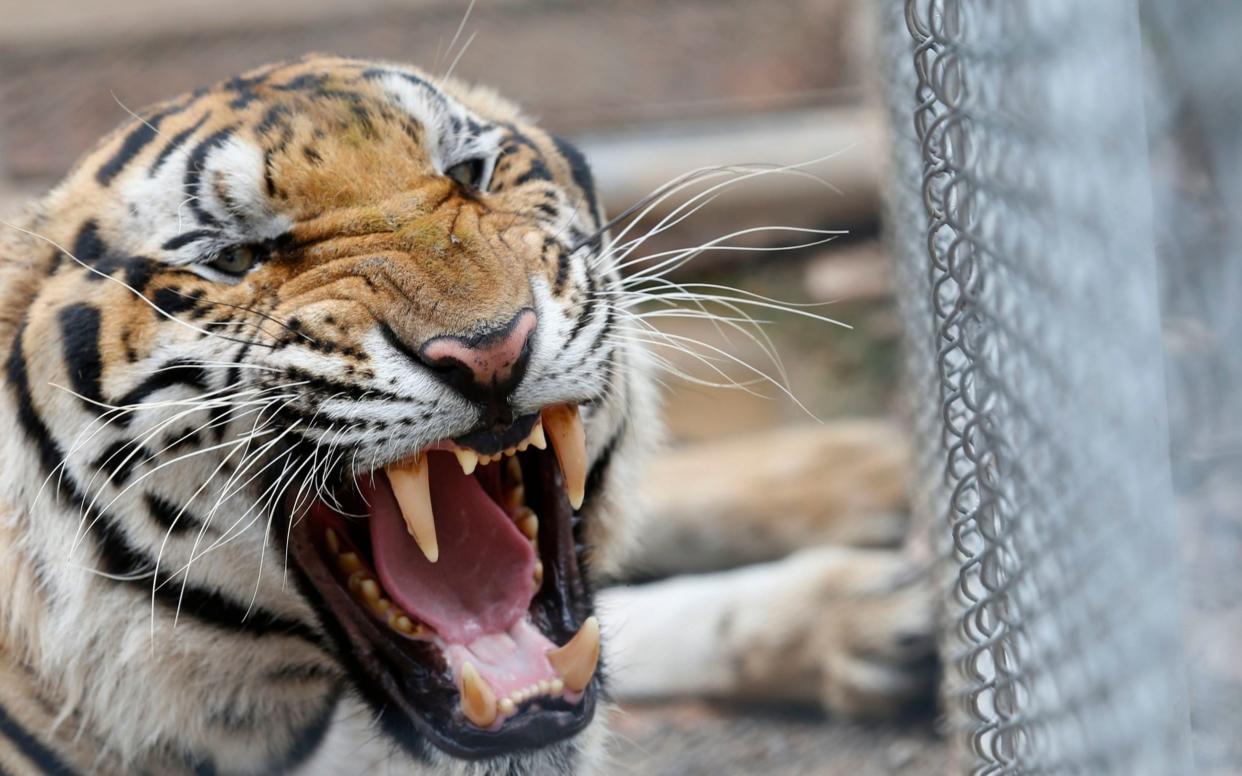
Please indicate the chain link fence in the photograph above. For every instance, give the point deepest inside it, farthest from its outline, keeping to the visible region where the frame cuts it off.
(1066, 180)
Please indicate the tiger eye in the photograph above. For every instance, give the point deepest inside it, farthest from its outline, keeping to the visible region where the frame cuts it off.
(237, 260)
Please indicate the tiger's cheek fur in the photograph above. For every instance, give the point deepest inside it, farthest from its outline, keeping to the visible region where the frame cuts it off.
(143, 592)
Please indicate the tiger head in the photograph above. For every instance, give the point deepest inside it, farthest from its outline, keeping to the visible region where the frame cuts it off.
(319, 402)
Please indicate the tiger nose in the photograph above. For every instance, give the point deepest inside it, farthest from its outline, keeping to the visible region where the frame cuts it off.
(485, 367)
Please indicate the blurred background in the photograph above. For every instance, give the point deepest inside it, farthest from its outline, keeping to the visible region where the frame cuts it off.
(650, 90)
(1060, 110)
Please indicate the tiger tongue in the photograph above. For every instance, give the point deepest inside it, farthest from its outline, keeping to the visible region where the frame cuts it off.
(480, 583)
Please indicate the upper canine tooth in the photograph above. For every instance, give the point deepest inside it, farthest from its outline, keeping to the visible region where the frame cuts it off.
(569, 443)
(467, 458)
(478, 702)
(411, 486)
(576, 661)
(536, 437)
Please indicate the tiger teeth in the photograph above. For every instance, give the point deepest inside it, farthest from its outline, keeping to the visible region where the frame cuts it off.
(576, 661)
(412, 487)
(551, 688)
(527, 522)
(478, 702)
(468, 459)
(367, 591)
(349, 562)
(536, 437)
(515, 498)
(564, 426)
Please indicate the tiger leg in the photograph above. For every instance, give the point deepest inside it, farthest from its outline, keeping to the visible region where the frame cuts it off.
(849, 629)
(759, 497)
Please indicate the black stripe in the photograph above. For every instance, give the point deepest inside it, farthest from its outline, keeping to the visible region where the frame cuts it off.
(42, 757)
(194, 171)
(88, 246)
(172, 300)
(581, 172)
(185, 238)
(562, 270)
(171, 373)
(590, 302)
(538, 171)
(307, 741)
(122, 559)
(79, 331)
(135, 141)
(90, 249)
(177, 141)
(172, 518)
(117, 462)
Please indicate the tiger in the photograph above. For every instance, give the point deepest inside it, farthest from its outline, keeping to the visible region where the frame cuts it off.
(321, 433)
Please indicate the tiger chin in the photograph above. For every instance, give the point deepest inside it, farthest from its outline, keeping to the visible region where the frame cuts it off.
(317, 435)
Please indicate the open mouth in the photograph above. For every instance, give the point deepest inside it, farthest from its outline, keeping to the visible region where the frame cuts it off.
(453, 576)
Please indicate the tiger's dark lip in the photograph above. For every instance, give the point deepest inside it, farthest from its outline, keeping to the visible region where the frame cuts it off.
(404, 683)
(490, 442)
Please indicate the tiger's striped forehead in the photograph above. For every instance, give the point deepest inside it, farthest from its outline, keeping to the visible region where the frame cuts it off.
(257, 155)
(341, 164)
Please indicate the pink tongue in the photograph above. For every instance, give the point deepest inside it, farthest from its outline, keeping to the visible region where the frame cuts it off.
(483, 580)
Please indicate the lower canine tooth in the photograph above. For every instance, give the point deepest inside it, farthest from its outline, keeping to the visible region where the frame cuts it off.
(564, 425)
(334, 544)
(576, 661)
(478, 702)
(412, 487)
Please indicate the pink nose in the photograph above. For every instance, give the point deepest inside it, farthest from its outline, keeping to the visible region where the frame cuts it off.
(485, 367)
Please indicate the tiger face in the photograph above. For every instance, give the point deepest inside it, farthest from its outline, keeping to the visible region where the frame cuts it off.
(319, 401)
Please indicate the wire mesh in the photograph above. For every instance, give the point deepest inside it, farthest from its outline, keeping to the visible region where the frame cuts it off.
(1021, 219)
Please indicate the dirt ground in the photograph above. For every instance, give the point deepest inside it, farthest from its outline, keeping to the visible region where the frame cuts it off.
(692, 738)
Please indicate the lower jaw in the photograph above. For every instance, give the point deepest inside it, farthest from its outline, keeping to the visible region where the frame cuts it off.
(408, 677)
